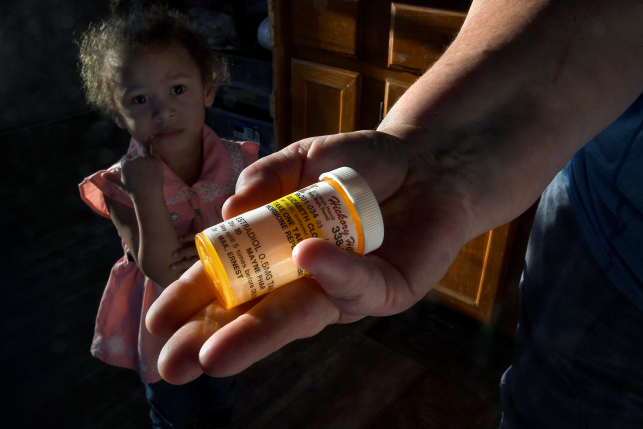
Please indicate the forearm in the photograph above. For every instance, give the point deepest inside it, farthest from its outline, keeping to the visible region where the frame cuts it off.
(157, 238)
(521, 89)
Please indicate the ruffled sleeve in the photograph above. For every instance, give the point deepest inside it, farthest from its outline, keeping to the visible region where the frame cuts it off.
(94, 188)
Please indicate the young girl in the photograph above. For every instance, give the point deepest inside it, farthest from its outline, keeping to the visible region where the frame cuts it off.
(155, 78)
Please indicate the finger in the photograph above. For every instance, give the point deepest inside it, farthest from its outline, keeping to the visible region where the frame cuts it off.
(356, 284)
(179, 359)
(267, 180)
(152, 142)
(124, 159)
(185, 252)
(180, 301)
(146, 144)
(280, 174)
(380, 158)
(184, 264)
(298, 310)
(187, 238)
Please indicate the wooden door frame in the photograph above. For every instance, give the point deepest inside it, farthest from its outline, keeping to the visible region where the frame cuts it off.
(281, 73)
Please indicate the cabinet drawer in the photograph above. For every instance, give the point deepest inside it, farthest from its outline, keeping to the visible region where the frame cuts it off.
(330, 25)
(419, 35)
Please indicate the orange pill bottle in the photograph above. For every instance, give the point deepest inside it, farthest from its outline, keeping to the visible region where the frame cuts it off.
(251, 254)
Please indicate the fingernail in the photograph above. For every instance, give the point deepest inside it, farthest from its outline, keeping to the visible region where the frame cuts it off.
(172, 267)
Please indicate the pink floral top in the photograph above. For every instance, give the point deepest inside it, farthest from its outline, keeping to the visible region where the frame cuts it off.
(120, 336)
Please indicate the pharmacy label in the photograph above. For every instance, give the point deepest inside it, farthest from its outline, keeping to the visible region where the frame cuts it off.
(256, 247)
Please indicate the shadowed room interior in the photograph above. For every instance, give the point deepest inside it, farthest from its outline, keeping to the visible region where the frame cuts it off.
(429, 367)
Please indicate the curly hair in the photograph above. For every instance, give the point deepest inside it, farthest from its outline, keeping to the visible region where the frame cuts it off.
(104, 47)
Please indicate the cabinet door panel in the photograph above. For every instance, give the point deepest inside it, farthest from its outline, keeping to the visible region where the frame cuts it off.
(419, 35)
(476, 276)
(325, 100)
(463, 278)
(326, 24)
(394, 89)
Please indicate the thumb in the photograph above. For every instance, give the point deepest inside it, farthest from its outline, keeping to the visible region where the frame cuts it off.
(354, 283)
(151, 147)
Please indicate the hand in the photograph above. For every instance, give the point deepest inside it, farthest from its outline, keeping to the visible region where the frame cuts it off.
(427, 220)
(467, 148)
(186, 256)
(140, 174)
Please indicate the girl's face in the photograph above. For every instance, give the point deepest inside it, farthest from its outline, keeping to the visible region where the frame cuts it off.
(161, 92)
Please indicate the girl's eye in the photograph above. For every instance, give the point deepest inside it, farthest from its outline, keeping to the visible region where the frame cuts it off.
(139, 99)
(179, 89)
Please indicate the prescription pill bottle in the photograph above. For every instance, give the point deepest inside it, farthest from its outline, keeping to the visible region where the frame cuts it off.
(251, 254)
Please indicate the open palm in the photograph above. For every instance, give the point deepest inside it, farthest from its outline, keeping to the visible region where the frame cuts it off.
(426, 223)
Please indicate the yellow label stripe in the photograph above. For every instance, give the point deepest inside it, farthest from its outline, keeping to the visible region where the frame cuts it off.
(302, 224)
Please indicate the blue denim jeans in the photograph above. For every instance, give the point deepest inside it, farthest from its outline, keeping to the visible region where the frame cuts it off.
(578, 359)
(207, 400)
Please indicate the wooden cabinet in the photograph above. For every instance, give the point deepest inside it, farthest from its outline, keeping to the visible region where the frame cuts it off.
(340, 65)
(326, 25)
(418, 35)
(325, 100)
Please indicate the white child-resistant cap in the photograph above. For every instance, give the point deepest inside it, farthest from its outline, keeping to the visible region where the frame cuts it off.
(365, 203)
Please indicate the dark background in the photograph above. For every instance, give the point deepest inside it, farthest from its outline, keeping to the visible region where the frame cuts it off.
(39, 80)
(56, 254)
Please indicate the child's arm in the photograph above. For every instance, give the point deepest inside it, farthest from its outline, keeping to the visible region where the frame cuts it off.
(147, 228)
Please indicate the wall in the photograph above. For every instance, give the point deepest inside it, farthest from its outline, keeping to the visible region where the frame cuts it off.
(39, 80)
(56, 253)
